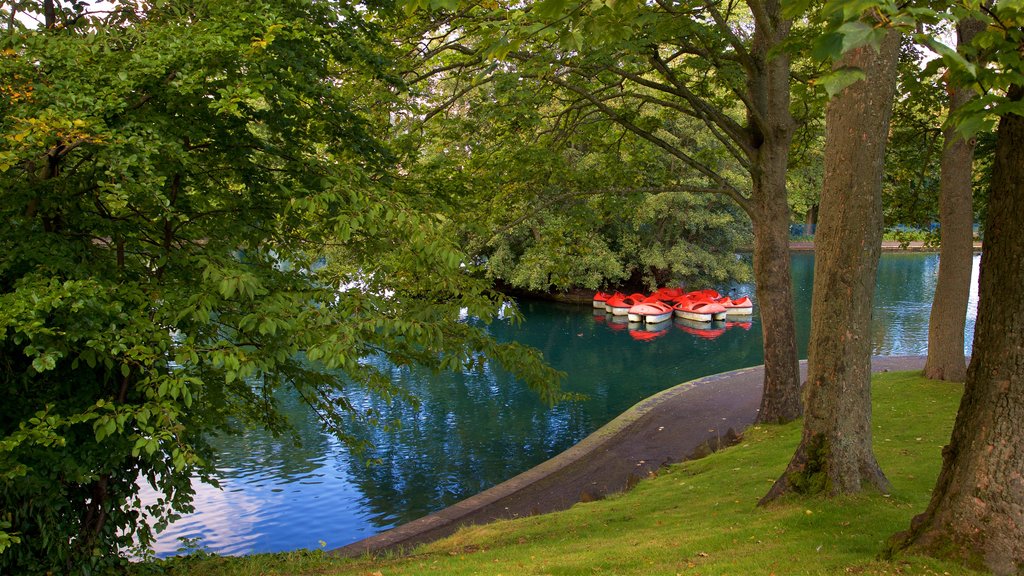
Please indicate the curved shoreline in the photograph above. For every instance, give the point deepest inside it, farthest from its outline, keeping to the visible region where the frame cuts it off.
(686, 421)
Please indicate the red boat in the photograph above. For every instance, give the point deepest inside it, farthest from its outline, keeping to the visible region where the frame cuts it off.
(651, 310)
(699, 311)
(600, 298)
(668, 295)
(741, 306)
(619, 305)
(706, 295)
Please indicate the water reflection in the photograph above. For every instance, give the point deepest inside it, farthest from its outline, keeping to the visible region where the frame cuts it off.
(475, 429)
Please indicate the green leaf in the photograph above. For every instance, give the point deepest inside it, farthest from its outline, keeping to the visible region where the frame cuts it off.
(577, 39)
(44, 363)
(950, 56)
(549, 9)
(858, 33)
(793, 9)
(828, 46)
(837, 80)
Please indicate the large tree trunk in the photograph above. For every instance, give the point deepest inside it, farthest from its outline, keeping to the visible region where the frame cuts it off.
(946, 359)
(768, 85)
(835, 454)
(977, 509)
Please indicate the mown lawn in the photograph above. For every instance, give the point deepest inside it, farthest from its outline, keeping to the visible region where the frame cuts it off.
(695, 518)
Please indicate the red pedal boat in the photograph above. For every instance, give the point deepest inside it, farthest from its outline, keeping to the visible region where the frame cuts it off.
(651, 310)
(619, 305)
(739, 307)
(699, 311)
(601, 298)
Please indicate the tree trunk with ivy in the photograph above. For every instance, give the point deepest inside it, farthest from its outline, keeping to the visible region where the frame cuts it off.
(976, 514)
(835, 455)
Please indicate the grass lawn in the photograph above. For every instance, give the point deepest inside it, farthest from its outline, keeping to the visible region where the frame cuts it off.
(695, 518)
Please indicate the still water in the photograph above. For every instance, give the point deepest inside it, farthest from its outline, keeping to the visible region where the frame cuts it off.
(476, 429)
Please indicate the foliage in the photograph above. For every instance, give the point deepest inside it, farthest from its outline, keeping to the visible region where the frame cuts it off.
(577, 94)
(200, 212)
(806, 173)
(545, 206)
(911, 186)
(698, 516)
(915, 145)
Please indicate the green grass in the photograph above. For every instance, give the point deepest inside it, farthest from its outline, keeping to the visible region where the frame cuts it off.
(695, 518)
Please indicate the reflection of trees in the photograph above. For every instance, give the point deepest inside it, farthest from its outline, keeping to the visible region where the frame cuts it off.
(904, 287)
(286, 458)
(474, 430)
(903, 293)
(470, 431)
(802, 271)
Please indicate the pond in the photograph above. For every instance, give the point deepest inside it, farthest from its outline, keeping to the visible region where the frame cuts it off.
(476, 429)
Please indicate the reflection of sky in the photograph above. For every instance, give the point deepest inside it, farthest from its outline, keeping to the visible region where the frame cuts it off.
(254, 512)
(476, 428)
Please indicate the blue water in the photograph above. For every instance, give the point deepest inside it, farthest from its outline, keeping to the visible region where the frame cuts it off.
(476, 429)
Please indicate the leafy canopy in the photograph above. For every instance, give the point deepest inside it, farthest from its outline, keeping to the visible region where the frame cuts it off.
(200, 213)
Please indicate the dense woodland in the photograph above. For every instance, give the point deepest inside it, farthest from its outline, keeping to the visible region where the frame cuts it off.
(208, 201)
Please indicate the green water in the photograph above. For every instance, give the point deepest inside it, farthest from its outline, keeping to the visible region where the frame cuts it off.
(473, 430)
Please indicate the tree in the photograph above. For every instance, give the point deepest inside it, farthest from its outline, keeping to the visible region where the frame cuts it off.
(975, 510)
(975, 513)
(834, 455)
(200, 213)
(546, 206)
(910, 192)
(644, 65)
(946, 359)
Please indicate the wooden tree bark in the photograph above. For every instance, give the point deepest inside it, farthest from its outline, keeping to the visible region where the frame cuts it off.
(768, 85)
(835, 454)
(946, 360)
(976, 512)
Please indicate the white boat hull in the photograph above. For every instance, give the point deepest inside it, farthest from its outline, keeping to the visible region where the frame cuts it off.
(695, 316)
(618, 311)
(739, 311)
(599, 304)
(656, 318)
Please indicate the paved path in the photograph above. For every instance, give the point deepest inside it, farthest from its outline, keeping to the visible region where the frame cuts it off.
(687, 421)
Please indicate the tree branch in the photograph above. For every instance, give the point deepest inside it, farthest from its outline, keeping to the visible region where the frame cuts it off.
(710, 114)
(690, 161)
(722, 24)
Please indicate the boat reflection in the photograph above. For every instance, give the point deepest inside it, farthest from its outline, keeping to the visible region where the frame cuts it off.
(643, 332)
(617, 322)
(706, 330)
